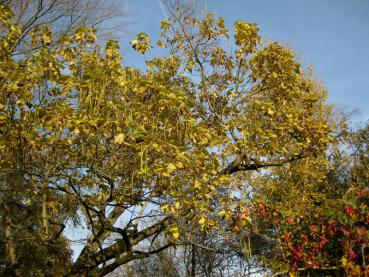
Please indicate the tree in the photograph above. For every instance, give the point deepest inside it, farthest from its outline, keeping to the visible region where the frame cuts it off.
(211, 255)
(174, 143)
(317, 215)
(62, 17)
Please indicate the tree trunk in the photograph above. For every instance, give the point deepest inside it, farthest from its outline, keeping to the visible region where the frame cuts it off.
(11, 257)
(193, 261)
(45, 223)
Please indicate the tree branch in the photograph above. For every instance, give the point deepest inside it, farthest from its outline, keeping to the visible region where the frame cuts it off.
(237, 166)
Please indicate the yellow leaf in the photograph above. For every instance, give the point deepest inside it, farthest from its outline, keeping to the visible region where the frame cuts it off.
(170, 168)
(202, 221)
(175, 232)
(177, 205)
(165, 208)
(161, 44)
(119, 139)
(212, 188)
(344, 261)
(179, 165)
(197, 184)
(222, 213)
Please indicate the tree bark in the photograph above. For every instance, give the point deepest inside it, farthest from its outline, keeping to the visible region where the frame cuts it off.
(45, 222)
(11, 257)
(193, 261)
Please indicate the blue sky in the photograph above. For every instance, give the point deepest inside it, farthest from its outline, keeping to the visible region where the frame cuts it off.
(331, 35)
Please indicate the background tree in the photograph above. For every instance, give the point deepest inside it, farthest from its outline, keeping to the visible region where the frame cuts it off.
(207, 254)
(317, 215)
(63, 17)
